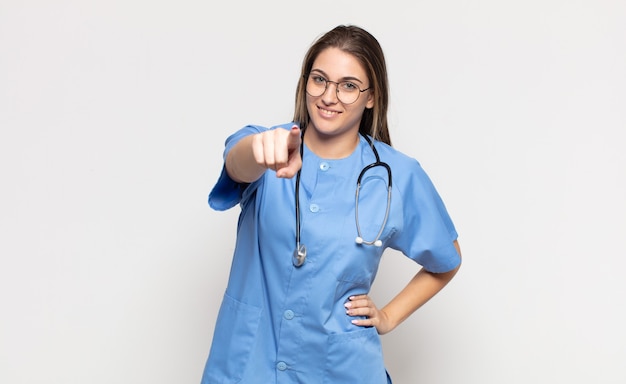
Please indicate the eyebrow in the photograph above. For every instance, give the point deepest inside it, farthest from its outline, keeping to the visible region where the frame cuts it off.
(347, 78)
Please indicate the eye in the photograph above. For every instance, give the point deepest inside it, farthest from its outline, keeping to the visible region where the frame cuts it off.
(317, 79)
(348, 86)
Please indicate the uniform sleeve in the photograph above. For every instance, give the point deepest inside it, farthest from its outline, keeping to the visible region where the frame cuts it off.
(226, 192)
(428, 232)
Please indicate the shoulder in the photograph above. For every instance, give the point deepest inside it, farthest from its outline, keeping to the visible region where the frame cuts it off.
(407, 171)
(255, 128)
(252, 129)
(389, 154)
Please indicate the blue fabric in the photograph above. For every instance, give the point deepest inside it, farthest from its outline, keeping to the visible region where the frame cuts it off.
(281, 324)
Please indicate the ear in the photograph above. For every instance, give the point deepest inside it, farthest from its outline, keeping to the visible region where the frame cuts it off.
(370, 100)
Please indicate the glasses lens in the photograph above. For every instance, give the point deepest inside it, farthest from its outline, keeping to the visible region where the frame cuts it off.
(346, 91)
(315, 85)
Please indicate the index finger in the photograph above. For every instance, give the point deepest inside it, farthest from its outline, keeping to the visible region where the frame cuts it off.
(294, 139)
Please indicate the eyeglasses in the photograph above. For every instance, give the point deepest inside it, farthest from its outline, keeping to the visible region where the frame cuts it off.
(347, 91)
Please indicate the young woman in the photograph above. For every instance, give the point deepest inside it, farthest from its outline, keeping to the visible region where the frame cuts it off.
(321, 198)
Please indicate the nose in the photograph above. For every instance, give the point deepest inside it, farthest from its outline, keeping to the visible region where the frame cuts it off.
(330, 94)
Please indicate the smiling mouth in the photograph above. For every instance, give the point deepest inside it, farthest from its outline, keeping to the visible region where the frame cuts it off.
(326, 112)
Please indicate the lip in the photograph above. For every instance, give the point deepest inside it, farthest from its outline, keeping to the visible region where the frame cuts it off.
(328, 113)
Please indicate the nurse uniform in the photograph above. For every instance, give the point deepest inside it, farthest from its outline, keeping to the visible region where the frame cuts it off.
(282, 324)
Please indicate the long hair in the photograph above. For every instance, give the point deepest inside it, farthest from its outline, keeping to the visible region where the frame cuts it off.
(368, 52)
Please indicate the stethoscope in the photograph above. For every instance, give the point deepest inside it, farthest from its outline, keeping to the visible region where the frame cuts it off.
(299, 254)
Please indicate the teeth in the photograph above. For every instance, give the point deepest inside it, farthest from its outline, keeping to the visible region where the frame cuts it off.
(327, 112)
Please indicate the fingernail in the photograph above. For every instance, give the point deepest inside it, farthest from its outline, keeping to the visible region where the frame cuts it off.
(347, 305)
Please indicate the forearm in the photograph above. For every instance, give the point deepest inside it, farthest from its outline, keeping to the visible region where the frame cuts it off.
(241, 164)
(422, 287)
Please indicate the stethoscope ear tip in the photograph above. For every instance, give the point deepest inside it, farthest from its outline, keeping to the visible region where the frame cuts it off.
(377, 243)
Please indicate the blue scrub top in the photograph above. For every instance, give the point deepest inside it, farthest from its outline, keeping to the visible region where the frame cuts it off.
(282, 324)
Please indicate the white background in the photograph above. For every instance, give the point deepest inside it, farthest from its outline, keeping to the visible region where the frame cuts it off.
(113, 116)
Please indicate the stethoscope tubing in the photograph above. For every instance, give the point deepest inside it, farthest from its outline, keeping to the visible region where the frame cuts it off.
(299, 254)
(359, 239)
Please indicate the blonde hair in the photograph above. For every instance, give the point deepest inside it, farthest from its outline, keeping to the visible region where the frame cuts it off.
(366, 49)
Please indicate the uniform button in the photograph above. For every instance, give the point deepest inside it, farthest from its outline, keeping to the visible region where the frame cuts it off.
(324, 166)
(314, 208)
(281, 366)
(289, 314)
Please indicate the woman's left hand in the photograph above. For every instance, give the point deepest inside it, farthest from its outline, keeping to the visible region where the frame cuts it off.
(362, 305)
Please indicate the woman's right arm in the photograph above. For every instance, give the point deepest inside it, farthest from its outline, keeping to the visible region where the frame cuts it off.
(277, 149)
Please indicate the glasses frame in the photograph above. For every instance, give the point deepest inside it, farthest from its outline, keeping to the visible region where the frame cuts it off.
(307, 77)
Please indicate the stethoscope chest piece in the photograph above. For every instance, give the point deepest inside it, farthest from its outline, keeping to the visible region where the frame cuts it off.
(299, 255)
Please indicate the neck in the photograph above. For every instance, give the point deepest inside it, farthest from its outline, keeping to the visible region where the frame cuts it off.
(331, 147)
